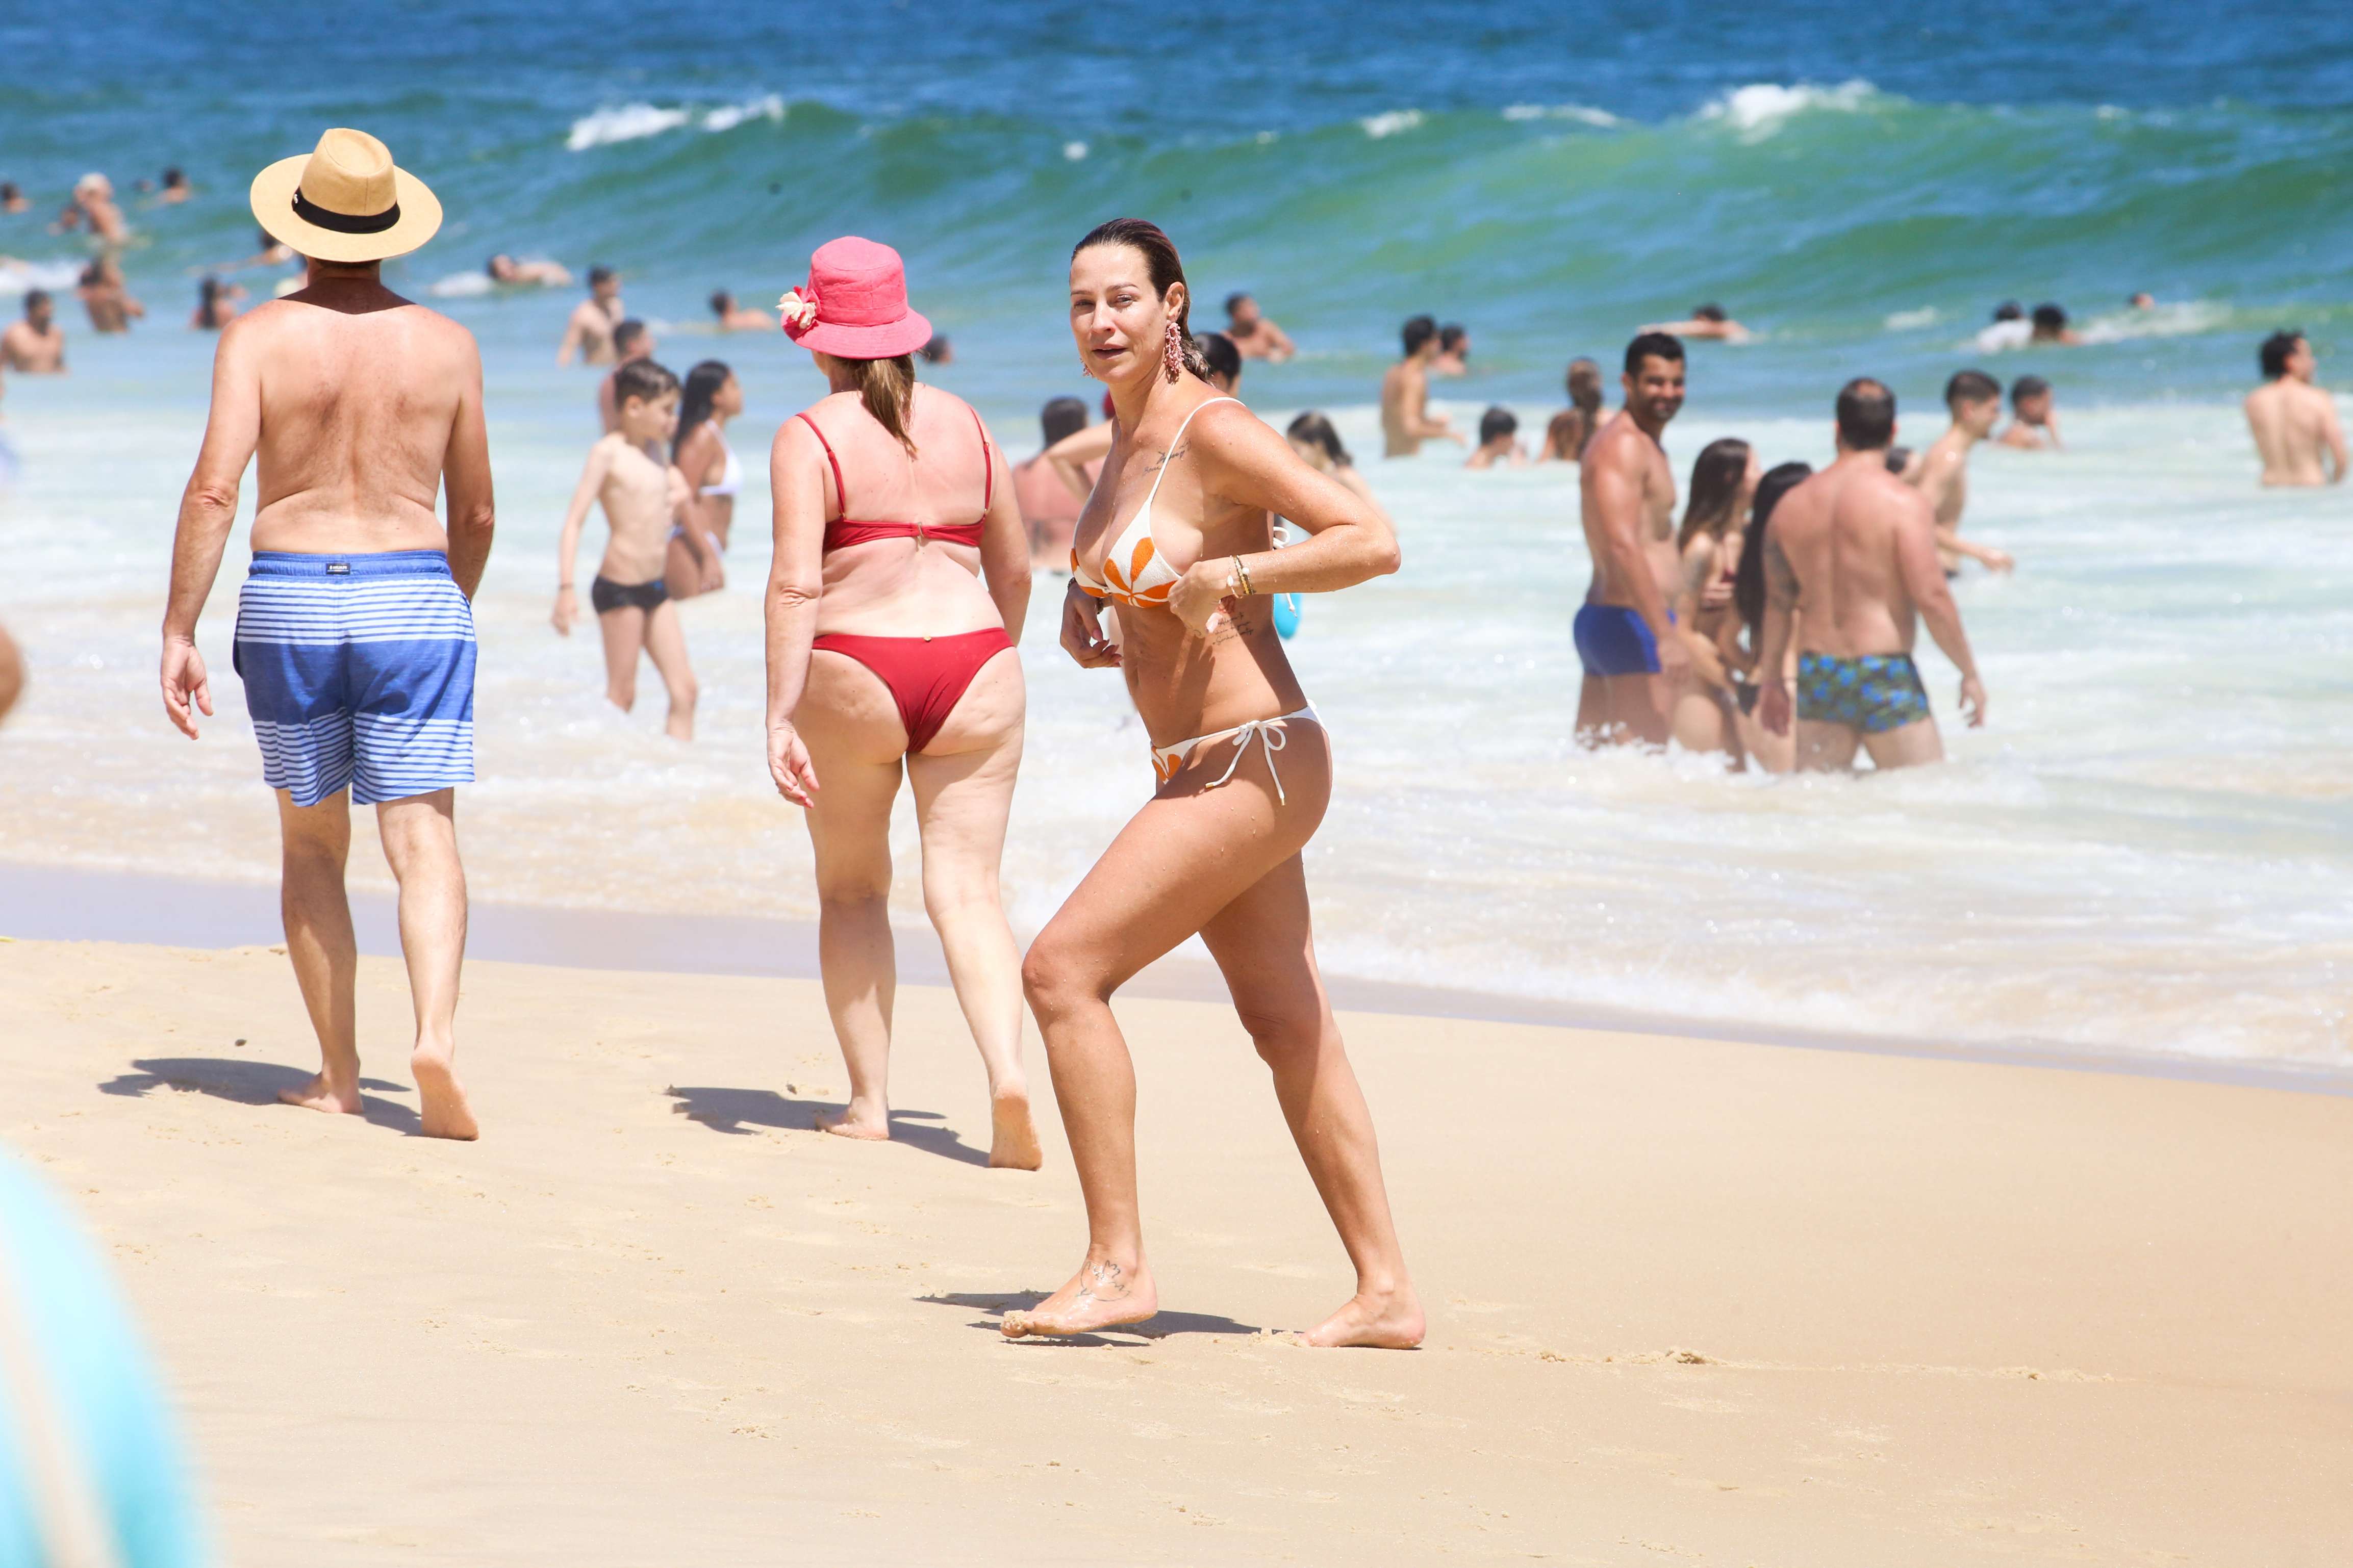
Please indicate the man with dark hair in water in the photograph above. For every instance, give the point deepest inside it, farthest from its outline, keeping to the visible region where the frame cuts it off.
(589, 330)
(1255, 336)
(1709, 321)
(1406, 420)
(1222, 358)
(632, 339)
(2293, 421)
(1851, 570)
(2034, 421)
(1941, 473)
(1635, 665)
(1049, 510)
(36, 345)
(733, 318)
(2050, 326)
(12, 198)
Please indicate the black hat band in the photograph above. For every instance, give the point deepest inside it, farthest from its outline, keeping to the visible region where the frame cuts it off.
(344, 223)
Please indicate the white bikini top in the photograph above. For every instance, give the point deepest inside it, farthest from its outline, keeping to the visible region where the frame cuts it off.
(1135, 570)
(731, 479)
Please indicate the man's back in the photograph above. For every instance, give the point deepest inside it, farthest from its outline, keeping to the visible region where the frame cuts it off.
(1841, 532)
(1401, 393)
(2290, 420)
(357, 400)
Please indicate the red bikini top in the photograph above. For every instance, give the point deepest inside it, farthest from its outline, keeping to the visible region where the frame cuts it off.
(845, 530)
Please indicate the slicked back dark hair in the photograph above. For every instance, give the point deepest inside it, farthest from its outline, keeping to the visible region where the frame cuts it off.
(1161, 264)
(2276, 351)
(1970, 387)
(643, 380)
(1652, 345)
(1866, 415)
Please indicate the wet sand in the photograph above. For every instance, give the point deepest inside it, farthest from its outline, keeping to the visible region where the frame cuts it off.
(1692, 1300)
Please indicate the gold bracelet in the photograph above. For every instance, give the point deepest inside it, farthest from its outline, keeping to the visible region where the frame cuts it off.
(1242, 570)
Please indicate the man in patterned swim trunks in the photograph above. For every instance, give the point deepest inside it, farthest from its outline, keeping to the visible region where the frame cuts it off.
(355, 627)
(1851, 569)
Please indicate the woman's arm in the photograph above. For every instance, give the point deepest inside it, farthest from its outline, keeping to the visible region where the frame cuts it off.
(1245, 462)
(567, 544)
(1005, 545)
(1070, 456)
(795, 582)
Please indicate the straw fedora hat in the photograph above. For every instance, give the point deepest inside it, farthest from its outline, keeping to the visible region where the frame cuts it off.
(346, 201)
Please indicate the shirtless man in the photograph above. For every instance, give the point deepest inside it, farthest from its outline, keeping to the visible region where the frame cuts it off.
(111, 309)
(632, 340)
(642, 497)
(2293, 422)
(1406, 420)
(1851, 570)
(734, 318)
(1941, 473)
(1635, 665)
(505, 269)
(93, 204)
(36, 345)
(589, 332)
(1253, 334)
(356, 631)
(1704, 322)
(2033, 418)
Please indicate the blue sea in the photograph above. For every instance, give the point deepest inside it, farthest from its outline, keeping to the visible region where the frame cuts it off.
(2147, 850)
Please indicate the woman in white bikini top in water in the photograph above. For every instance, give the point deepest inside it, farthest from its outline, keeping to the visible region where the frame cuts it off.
(698, 545)
(1176, 537)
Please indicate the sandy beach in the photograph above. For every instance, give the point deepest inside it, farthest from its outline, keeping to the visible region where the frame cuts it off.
(1692, 1300)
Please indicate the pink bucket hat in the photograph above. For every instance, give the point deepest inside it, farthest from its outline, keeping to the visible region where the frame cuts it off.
(854, 305)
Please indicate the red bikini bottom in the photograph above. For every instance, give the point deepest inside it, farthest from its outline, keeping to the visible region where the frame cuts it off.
(927, 676)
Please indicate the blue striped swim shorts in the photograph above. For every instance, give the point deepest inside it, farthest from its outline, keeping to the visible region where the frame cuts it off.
(359, 670)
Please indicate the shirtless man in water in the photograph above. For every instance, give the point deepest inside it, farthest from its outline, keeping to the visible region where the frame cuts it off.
(1635, 665)
(589, 331)
(36, 345)
(355, 629)
(1253, 335)
(1406, 420)
(1853, 552)
(1941, 473)
(2294, 421)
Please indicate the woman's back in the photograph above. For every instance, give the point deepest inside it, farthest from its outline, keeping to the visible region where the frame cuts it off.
(890, 581)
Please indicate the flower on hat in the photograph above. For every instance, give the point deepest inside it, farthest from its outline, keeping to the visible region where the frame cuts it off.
(797, 308)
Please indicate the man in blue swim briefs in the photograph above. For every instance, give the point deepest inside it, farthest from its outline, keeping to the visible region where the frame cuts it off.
(355, 629)
(1851, 570)
(1635, 665)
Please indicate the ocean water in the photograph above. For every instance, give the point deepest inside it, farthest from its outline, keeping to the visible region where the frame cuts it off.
(2146, 851)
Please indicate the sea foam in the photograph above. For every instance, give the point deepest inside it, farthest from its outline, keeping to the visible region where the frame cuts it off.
(1760, 108)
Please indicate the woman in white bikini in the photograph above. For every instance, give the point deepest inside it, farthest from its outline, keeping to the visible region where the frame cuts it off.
(698, 545)
(1177, 536)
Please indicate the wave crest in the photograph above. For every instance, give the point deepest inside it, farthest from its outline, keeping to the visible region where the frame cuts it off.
(1762, 107)
(635, 121)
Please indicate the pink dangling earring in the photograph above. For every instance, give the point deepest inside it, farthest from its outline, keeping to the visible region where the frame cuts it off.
(1172, 353)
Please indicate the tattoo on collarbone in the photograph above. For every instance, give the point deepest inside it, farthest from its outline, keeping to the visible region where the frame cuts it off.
(1167, 458)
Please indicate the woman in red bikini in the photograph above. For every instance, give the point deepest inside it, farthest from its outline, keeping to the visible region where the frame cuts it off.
(1177, 538)
(887, 655)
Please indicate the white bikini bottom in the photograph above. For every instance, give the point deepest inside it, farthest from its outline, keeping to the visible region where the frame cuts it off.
(1268, 732)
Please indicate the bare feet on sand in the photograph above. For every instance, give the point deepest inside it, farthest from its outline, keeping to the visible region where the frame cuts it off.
(872, 1124)
(1388, 1320)
(1012, 1136)
(320, 1094)
(444, 1113)
(1103, 1295)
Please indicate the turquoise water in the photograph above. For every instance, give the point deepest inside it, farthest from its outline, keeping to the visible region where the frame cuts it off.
(2147, 850)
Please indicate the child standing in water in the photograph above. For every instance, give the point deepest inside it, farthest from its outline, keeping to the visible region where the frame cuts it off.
(642, 497)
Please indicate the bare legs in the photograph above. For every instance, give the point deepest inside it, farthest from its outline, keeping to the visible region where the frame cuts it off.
(1617, 709)
(1832, 748)
(420, 841)
(662, 637)
(1225, 863)
(963, 784)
